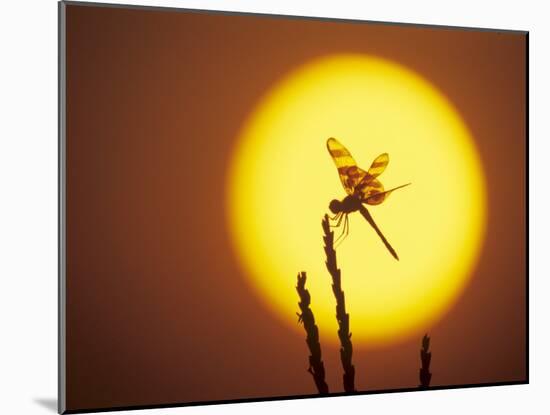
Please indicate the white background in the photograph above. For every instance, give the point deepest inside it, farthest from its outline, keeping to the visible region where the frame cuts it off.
(28, 204)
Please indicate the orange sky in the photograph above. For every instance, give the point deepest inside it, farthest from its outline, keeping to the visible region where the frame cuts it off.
(157, 309)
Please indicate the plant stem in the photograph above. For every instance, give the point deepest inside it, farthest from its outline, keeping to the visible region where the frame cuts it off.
(425, 357)
(346, 349)
(316, 366)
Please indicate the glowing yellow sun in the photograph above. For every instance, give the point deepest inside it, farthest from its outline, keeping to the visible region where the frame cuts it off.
(282, 179)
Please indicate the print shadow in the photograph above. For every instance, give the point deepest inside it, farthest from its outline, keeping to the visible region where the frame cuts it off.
(48, 403)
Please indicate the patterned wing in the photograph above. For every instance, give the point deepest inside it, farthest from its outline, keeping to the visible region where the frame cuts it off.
(371, 192)
(350, 174)
(378, 166)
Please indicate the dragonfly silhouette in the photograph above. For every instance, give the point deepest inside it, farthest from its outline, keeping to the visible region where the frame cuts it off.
(361, 186)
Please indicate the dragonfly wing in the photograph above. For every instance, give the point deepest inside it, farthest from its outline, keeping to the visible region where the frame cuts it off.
(378, 166)
(376, 197)
(350, 174)
(371, 192)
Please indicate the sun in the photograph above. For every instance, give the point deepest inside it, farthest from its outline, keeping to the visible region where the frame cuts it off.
(281, 180)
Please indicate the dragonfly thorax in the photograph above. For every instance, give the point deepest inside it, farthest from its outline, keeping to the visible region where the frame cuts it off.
(347, 205)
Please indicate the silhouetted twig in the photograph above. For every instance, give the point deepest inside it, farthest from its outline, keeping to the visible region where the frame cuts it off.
(425, 357)
(316, 366)
(346, 349)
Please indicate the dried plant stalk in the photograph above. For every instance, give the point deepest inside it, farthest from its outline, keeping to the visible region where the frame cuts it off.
(346, 349)
(425, 357)
(316, 366)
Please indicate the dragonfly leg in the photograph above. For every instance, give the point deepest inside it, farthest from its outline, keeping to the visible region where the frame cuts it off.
(345, 231)
(347, 226)
(339, 216)
(344, 234)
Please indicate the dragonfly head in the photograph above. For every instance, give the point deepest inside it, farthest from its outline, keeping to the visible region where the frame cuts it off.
(335, 206)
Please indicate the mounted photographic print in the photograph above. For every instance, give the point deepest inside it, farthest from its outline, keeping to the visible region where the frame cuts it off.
(258, 207)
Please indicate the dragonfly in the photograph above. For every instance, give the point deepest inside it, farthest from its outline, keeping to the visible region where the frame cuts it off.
(363, 188)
